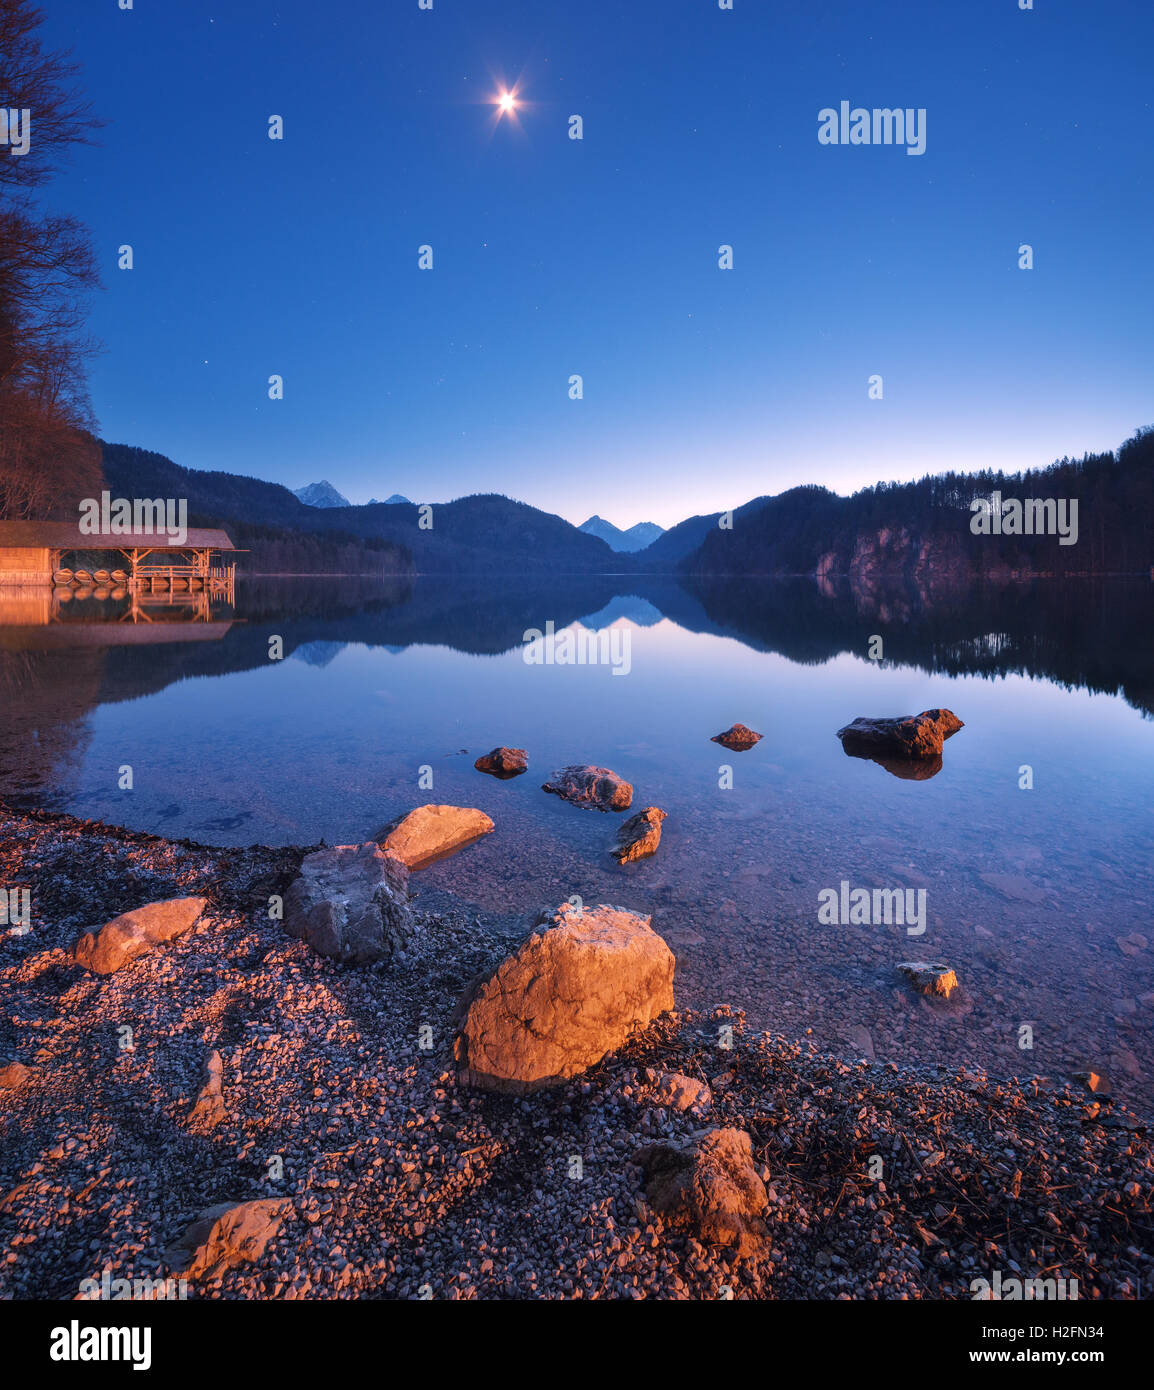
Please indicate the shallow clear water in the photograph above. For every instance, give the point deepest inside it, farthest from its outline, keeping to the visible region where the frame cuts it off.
(229, 747)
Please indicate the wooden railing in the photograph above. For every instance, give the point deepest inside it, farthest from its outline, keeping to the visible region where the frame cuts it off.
(217, 578)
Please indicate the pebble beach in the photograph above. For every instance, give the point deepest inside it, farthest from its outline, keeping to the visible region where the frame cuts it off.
(373, 1173)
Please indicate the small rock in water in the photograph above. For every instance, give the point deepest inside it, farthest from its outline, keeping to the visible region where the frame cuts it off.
(902, 736)
(503, 762)
(1091, 1080)
(738, 738)
(1014, 887)
(434, 832)
(639, 836)
(595, 787)
(932, 979)
(1128, 1062)
(859, 1037)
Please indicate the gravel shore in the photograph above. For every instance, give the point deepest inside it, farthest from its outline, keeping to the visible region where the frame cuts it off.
(338, 1095)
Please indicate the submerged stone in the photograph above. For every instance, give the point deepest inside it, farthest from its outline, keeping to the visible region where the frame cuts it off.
(595, 787)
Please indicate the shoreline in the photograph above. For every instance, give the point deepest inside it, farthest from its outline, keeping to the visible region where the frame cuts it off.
(883, 1181)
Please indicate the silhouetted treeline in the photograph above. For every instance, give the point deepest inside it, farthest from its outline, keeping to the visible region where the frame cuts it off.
(279, 550)
(281, 534)
(133, 472)
(922, 529)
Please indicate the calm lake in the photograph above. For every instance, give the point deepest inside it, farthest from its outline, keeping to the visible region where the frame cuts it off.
(1040, 897)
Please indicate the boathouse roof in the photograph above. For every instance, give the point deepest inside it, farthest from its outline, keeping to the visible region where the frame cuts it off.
(66, 535)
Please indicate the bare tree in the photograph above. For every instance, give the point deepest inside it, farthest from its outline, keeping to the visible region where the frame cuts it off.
(48, 456)
(41, 82)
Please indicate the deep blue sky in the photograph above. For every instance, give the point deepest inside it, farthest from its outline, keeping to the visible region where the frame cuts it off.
(703, 388)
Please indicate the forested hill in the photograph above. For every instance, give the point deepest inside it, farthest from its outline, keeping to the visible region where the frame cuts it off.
(484, 534)
(280, 533)
(924, 527)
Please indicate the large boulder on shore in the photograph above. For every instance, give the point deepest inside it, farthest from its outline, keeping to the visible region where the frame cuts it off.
(351, 903)
(227, 1235)
(902, 736)
(640, 835)
(570, 994)
(709, 1187)
(434, 832)
(133, 933)
(595, 787)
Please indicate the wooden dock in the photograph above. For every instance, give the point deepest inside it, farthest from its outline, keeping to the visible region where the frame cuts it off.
(172, 579)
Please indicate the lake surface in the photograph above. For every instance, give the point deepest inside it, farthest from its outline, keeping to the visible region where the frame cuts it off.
(1032, 895)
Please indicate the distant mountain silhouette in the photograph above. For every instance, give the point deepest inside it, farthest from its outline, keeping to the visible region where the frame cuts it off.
(392, 501)
(636, 538)
(918, 532)
(321, 494)
(484, 534)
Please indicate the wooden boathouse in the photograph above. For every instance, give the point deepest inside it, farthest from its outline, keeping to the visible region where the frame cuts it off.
(57, 553)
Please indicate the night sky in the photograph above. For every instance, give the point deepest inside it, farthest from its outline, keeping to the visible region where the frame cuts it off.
(552, 256)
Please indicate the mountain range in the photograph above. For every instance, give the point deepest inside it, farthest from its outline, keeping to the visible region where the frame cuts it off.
(625, 542)
(482, 534)
(919, 531)
(323, 494)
